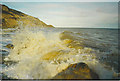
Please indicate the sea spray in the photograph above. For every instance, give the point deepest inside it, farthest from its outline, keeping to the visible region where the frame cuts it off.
(42, 54)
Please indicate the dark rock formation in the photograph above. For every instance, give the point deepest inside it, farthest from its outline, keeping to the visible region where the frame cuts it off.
(77, 71)
(9, 46)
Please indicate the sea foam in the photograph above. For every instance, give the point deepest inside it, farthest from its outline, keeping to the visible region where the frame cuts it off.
(42, 54)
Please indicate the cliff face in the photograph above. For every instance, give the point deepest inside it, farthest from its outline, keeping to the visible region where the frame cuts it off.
(12, 18)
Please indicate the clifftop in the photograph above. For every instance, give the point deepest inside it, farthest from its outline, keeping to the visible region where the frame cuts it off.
(12, 18)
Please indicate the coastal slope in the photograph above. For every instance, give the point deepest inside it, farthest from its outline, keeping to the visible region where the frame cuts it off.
(12, 18)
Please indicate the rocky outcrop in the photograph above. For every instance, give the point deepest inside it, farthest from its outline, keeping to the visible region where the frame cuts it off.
(12, 18)
(77, 71)
(10, 46)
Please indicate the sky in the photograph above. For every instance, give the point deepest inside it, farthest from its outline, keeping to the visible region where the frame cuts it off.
(94, 14)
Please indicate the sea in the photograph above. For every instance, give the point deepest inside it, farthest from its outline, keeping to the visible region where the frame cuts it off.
(41, 53)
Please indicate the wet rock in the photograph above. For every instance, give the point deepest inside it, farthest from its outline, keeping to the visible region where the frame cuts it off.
(9, 63)
(67, 35)
(3, 52)
(5, 77)
(11, 46)
(0, 60)
(77, 71)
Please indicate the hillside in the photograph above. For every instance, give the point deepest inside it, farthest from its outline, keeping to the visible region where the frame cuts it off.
(12, 18)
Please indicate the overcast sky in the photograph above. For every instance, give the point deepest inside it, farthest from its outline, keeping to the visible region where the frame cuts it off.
(71, 14)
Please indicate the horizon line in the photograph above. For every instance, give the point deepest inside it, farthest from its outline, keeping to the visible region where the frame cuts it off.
(81, 27)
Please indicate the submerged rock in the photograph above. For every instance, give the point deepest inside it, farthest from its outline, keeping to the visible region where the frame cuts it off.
(77, 71)
(11, 46)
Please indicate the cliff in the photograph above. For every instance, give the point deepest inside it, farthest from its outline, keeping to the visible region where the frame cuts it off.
(12, 18)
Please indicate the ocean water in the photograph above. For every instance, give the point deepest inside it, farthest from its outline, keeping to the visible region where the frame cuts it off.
(41, 53)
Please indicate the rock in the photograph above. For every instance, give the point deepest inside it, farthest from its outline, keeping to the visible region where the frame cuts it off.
(77, 71)
(8, 63)
(0, 60)
(12, 18)
(67, 35)
(3, 52)
(50, 25)
(9, 46)
(5, 77)
(73, 42)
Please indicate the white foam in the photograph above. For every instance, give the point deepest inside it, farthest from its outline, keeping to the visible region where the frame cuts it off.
(42, 55)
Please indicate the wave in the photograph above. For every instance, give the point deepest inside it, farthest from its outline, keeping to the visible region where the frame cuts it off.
(42, 55)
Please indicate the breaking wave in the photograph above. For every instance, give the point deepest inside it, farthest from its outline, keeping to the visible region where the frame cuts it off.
(43, 54)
